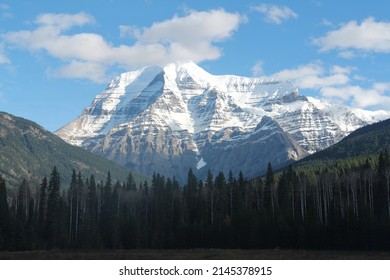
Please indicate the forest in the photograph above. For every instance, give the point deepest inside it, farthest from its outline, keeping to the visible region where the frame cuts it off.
(343, 205)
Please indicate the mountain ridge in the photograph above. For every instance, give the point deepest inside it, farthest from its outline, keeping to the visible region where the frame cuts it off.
(365, 141)
(29, 151)
(165, 119)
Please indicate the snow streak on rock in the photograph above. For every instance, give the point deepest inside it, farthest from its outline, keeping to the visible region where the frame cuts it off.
(168, 119)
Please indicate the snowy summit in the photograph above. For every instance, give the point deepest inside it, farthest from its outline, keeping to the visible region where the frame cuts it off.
(168, 119)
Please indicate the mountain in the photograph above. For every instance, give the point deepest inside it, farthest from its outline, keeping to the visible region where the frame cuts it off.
(168, 119)
(365, 141)
(29, 151)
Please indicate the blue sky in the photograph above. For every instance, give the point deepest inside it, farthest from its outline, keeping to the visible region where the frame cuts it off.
(55, 56)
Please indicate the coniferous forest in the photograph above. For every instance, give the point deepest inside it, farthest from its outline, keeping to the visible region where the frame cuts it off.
(345, 205)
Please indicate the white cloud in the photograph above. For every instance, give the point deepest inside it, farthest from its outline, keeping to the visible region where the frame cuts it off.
(358, 96)
(275, 14)
(64, 21)
(338, 84)
(128, 31)
(347, 54)
(2, 95)
(258, 69)
(369, 36)
(336, 69)
(3, 57)
(314, 76)
(326, 22)
(191, 37)
(211, 26)
(5, 11)
(80, 69)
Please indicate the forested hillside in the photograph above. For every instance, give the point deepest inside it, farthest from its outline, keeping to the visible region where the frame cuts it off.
(29, 151)
(339, 199)
(344, 206)
(364, 141)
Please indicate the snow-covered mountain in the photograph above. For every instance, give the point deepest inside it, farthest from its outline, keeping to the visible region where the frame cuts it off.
(168, 119)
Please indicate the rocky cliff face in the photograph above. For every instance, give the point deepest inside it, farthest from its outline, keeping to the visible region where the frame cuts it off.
(169, 119)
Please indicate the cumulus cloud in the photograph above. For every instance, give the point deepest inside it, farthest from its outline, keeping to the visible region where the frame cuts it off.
(338, 84)
(314, 76)
(368, 36)
(64, 21)
(89, 55)
(258, 69)
(326, 22)
(80, 69)
(208, 26)
(358, 96)
(126, 31)
(275, 14)
(3, 57)
(5, 11)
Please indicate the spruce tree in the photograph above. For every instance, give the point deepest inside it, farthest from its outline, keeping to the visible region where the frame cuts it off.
(72, 202)
(130, 183)
(5, 223)
(42, 206)
(22, 204)
(191, 192)
(92, 214)
(53, 211)
(106, 221)
(269, 191)
(210, 194)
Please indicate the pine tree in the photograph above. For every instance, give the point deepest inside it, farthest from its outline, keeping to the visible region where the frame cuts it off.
(115, 215)
(191, 191)
(210, 192)
(42, 206)
(80, 229)
(269, 191)
(130, 183)
(72, 201)
(383, 187)
(221, 199)
(22, 204)
(92, 214)
(106, 216)
(31, 226)
(5, 223)
(53, 210)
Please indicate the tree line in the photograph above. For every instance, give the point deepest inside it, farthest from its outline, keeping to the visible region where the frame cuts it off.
(341, 206)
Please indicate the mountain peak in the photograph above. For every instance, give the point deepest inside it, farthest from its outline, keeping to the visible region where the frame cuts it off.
(166, 119)
(181, 65)
(181, 71)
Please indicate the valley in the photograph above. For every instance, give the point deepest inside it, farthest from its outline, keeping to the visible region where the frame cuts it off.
(240, 164)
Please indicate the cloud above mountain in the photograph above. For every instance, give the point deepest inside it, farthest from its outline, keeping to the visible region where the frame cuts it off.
(275, 14)
(89, 55)
(352, 37)
(337, 84)
(3, 57)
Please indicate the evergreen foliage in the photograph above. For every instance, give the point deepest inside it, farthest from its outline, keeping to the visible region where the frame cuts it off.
(330, 203)
(29, 151)
(365, 141)
(341, 206)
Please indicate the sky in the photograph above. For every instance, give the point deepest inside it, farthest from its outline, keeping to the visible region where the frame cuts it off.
(56, 56)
